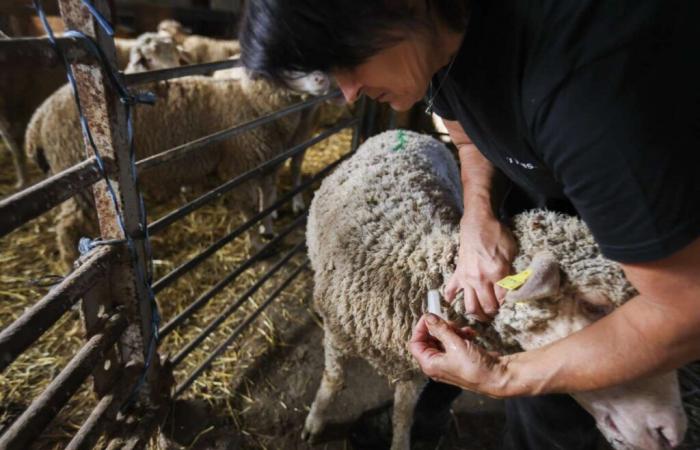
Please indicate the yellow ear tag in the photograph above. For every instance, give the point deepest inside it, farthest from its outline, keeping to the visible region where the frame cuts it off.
(512, 282)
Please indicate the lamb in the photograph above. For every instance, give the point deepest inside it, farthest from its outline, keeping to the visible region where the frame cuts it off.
(383, 231)
(202, 49)
(186, 109)
(22, 91)
(152, 51)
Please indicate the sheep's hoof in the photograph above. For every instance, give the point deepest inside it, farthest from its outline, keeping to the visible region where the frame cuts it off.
(298, 204)
(312, 428)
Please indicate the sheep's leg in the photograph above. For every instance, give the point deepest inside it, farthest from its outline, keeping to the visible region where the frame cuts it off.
(331, 384)
(249, 205)
(267, 196)
(19, 159)
(298, 200)
(405, 398)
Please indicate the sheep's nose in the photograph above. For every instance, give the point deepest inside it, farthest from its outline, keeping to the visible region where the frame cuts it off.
(668, 433)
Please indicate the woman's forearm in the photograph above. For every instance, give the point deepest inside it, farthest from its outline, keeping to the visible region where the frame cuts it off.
(477, 175)
(638, 339)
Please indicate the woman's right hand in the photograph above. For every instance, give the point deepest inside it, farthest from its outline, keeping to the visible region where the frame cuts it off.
(486, 250)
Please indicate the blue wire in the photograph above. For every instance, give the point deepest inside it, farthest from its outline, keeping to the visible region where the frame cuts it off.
(128, 100)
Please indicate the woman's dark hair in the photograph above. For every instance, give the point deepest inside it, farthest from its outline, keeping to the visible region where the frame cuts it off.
(308, 35)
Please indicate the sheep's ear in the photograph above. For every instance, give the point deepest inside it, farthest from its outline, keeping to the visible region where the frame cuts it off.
(185, 58)
(543, 281)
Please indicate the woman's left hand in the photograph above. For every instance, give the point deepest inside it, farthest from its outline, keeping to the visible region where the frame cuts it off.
(446, 354)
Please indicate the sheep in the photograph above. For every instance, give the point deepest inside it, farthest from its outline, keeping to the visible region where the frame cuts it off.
(201, 48)
(22, 91)
(152, 51)
(186, 109)
(383, 231)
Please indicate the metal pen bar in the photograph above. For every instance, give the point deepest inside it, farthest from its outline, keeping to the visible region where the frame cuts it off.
(239, 329)
(133, 79)
(36, 320)
(218, 287)
(19, 208)
(176, 273)
(107, 409)
(182, 150)
(44, 408)
(213, 325)
(168, 219)
(36, 52)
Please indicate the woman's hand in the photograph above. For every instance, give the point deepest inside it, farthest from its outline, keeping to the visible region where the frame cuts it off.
(486, 251)
(446, 354)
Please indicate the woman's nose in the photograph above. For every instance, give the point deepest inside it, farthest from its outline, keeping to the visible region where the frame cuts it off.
(350, 88)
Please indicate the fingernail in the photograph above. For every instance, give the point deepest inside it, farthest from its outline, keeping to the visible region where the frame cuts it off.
(431, 319)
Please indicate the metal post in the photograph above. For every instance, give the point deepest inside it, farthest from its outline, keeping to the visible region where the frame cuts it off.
(107, 119)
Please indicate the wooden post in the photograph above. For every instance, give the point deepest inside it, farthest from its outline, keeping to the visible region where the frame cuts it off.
(107, 120)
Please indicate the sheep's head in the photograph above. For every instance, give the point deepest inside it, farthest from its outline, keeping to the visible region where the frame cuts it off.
(554, 303)
(173, 29)
(154, 52)
(314, 83)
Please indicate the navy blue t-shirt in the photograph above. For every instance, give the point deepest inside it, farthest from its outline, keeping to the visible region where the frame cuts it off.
(591, 100)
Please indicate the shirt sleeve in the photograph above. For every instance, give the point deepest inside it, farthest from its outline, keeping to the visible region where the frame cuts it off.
(622, 136)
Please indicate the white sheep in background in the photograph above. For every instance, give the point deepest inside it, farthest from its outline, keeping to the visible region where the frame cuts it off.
(22, 91)
(202, 49)
(152, 51)
(186, 109)
(383, 230)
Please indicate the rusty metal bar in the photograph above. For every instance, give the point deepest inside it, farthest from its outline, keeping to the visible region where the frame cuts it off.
(133, 79)
(176, 273)
(44, 408)
(184, 149)
(106, 409)
(32, 202)
(214, 194)
(29, 327)
(106, 115)
(35, 52)
(239, 329)
(228, 279)
(214, 324)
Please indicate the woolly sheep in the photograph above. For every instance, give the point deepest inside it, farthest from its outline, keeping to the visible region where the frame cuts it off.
(186, 109)
(202, 49)
(383, 230)
(22, 91)
(152, 51)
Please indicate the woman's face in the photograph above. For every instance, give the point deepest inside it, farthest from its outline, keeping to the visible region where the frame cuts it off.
(398, 75)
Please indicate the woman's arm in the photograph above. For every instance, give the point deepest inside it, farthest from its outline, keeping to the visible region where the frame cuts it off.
(487, 247)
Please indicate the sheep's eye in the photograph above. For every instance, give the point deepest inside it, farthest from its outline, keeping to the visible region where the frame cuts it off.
(590, 309)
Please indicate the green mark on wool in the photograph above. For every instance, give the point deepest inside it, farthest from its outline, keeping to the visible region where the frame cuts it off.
(402, 142)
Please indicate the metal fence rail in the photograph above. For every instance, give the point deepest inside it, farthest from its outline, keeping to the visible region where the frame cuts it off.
(46, 406)
(237, 332)
(34, 201)
(35, 321)
(113, 278)
(262, 169)
(183, 150)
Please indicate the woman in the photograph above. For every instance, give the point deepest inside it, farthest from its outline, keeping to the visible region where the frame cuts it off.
(587, 106)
